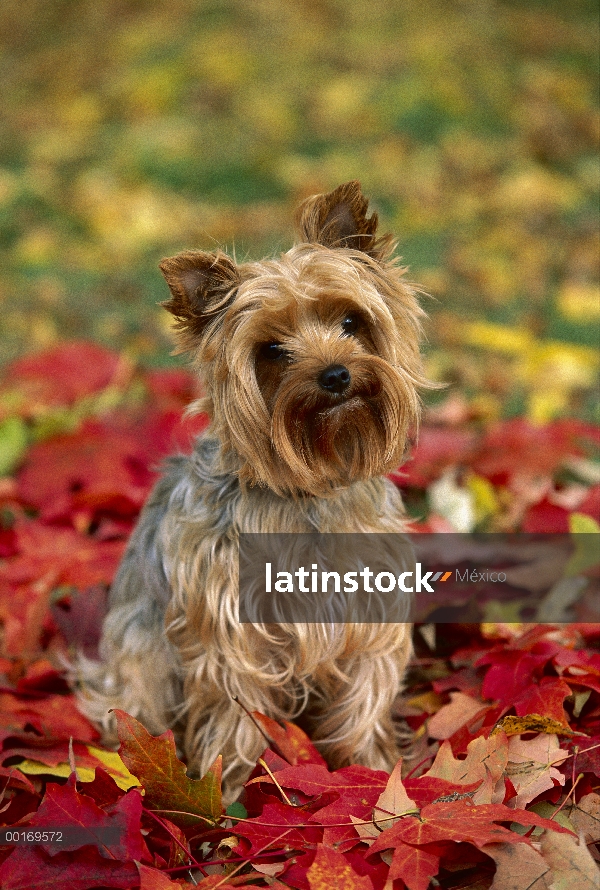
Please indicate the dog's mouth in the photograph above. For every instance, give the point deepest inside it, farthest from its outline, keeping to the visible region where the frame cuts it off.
(334, 438)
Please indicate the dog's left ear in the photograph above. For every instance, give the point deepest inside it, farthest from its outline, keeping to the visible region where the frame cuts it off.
(202, 285)
(339, 219)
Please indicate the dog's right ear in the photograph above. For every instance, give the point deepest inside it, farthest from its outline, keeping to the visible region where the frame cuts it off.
(201, 285)
(339, 220)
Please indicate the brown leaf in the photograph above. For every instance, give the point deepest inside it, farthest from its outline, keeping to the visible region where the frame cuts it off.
(168, 787)
(518, 867)
(485, 762)
(585, 817)
(454, 715)
(531, 766)
(511, 725)
(393, 799)
(570, 862)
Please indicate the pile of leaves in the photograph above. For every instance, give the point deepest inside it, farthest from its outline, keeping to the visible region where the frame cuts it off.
(500, 785)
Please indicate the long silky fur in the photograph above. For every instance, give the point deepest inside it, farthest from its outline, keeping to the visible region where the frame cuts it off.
(279, 455)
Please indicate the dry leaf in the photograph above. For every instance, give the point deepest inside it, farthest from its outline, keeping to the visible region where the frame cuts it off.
(585, 817)
(518, 867)
(485, 762)
(531, 766)
(393, 799)
(570, 861)
(452, 716)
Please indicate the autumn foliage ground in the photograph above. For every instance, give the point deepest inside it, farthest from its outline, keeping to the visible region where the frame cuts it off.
(500, 786)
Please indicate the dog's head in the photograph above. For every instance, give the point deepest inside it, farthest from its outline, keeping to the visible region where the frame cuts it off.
(311, 361)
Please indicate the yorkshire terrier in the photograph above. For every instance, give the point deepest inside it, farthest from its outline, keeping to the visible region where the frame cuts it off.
(311, 370)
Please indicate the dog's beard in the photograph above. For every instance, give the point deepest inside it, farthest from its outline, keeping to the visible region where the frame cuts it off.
(327, 441)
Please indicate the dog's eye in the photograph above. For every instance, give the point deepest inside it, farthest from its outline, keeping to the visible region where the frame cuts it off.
(272, 351)
(350, 324)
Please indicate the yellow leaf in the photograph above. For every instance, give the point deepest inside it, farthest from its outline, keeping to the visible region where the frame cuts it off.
(579, 302)
(498, 630)
(62, 770)
(110, 761)
(429, 702)
(503, 613)
(545, 406)
(511, 725)
(580, 524)
(484, 495)
(586, 553)
(115, 767)
(498, 338)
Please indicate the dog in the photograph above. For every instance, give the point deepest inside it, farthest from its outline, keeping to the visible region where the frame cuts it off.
(311, 371)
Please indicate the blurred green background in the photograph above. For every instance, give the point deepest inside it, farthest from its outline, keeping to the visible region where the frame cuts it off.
(133, 129)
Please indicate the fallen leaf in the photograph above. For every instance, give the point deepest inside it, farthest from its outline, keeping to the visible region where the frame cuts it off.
(460, 820)
(63, 806)
(72, 558)
(486, 760)
(316, 780)
(100, 467)
(31, 868)
(275, 829)
(59, 376)
(414, 865)
(331, 869)
(168, 788)
(452, 716)
(511, 725)
(53, 717)
(545, 699)
(393, 799)
(531, 766)
(585, 817)
(570, 862)
(153, 879)
(518, 867)
(12, 777)
(289, 741)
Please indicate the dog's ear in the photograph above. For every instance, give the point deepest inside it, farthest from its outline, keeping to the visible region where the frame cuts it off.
(201, 285)
(339, 219)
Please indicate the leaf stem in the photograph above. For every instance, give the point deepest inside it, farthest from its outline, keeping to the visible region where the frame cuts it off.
(283, 794)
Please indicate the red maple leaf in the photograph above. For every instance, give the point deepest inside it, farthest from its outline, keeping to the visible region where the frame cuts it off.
(63, 554)
(59, 376)
(314, 780)
(289, 741)
(31, 868)
(97, 468)
(115, 830)
(331, 869)
(460, 820)
(437, 449)
(153, 879)
(275, 829)
(520, 447)
(415, 865)
(511, 670)
(545, 698)
(52, 717)
(426, 789)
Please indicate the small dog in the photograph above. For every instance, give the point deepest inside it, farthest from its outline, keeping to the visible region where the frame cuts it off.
(311, 369)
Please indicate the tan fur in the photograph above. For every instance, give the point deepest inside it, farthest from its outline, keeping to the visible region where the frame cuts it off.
(285, 452)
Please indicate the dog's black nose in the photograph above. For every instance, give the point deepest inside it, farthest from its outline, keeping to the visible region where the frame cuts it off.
(335, 378)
